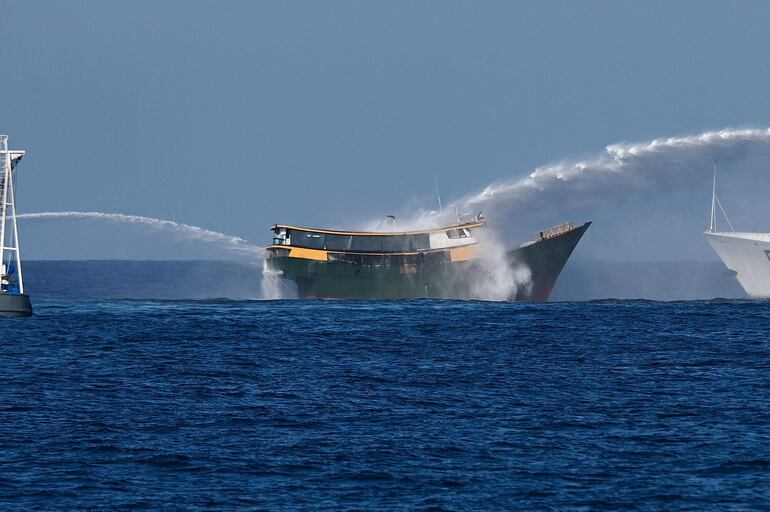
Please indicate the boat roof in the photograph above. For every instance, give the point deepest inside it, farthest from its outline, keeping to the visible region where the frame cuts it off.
(474, 224)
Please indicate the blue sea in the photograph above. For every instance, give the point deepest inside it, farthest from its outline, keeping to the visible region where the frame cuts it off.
(221, 404)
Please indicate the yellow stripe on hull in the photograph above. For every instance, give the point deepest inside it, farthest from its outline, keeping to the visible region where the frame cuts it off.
(308, 254)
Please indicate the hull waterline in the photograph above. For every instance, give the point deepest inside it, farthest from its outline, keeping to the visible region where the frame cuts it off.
(12, 305)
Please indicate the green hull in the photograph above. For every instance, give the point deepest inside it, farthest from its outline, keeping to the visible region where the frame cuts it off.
(321, 279)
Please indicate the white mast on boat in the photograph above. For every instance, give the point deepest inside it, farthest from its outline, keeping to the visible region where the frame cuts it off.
(713, 225)
(9, 231)
(715, 202)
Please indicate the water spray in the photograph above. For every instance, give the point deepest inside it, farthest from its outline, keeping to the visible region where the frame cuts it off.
(231, 243)
(672, 159)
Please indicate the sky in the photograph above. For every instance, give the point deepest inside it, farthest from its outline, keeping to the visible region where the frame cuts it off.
(237, 115)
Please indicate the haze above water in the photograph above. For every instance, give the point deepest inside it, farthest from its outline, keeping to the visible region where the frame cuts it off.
(338, 114)
(625, 187)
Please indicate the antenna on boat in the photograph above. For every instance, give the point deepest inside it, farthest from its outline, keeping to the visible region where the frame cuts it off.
(713, 225)
(716, 202)
(438, 195)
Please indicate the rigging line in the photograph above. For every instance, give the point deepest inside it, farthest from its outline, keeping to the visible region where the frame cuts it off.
(725, 214)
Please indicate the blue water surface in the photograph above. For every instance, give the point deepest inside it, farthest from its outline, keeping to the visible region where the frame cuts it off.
(419, 405)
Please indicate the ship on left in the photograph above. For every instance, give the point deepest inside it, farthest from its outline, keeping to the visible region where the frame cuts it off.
(13, 301)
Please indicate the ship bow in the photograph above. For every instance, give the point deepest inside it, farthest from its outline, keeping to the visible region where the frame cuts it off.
(545, 260)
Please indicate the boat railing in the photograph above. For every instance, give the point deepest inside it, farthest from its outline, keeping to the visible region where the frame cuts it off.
(555, 231)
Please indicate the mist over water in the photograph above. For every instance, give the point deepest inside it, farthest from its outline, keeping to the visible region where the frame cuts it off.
(271, 285)
(635, 188)
(667, 161)
(230, 243)
(649, 200)
(497, 277)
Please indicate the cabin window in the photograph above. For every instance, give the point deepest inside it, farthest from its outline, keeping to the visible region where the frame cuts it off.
(279, 238)
(337, 242)
(395, 243)
(456, 233)
(308, 239)
(356, 243)
(366, 243)
(419, 242)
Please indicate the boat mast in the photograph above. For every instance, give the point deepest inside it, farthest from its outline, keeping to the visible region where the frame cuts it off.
(9, 249)
(713, 225)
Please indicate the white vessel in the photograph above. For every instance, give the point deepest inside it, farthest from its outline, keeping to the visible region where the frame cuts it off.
(747, 255)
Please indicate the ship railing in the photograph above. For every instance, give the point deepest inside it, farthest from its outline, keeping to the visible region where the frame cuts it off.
(555, 231)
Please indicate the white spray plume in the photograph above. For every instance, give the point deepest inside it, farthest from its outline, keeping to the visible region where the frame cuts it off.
(271, 282)
(672, 161)
(231, 243)
(496, 277)
(559, 191)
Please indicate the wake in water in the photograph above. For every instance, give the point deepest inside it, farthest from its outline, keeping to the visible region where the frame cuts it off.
(231, 243)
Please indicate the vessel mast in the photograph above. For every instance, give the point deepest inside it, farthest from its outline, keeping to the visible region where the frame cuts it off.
(9, 239)
(713, 225)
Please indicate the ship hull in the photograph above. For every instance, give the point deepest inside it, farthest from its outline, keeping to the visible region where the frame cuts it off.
(545, 260)
(15, 305)
(534, 269)
(748, 256)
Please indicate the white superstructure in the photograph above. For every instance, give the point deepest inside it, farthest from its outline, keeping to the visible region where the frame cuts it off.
(11, 278)
(745, 254)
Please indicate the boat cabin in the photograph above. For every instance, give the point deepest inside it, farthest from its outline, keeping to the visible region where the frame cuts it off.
(376, 242)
